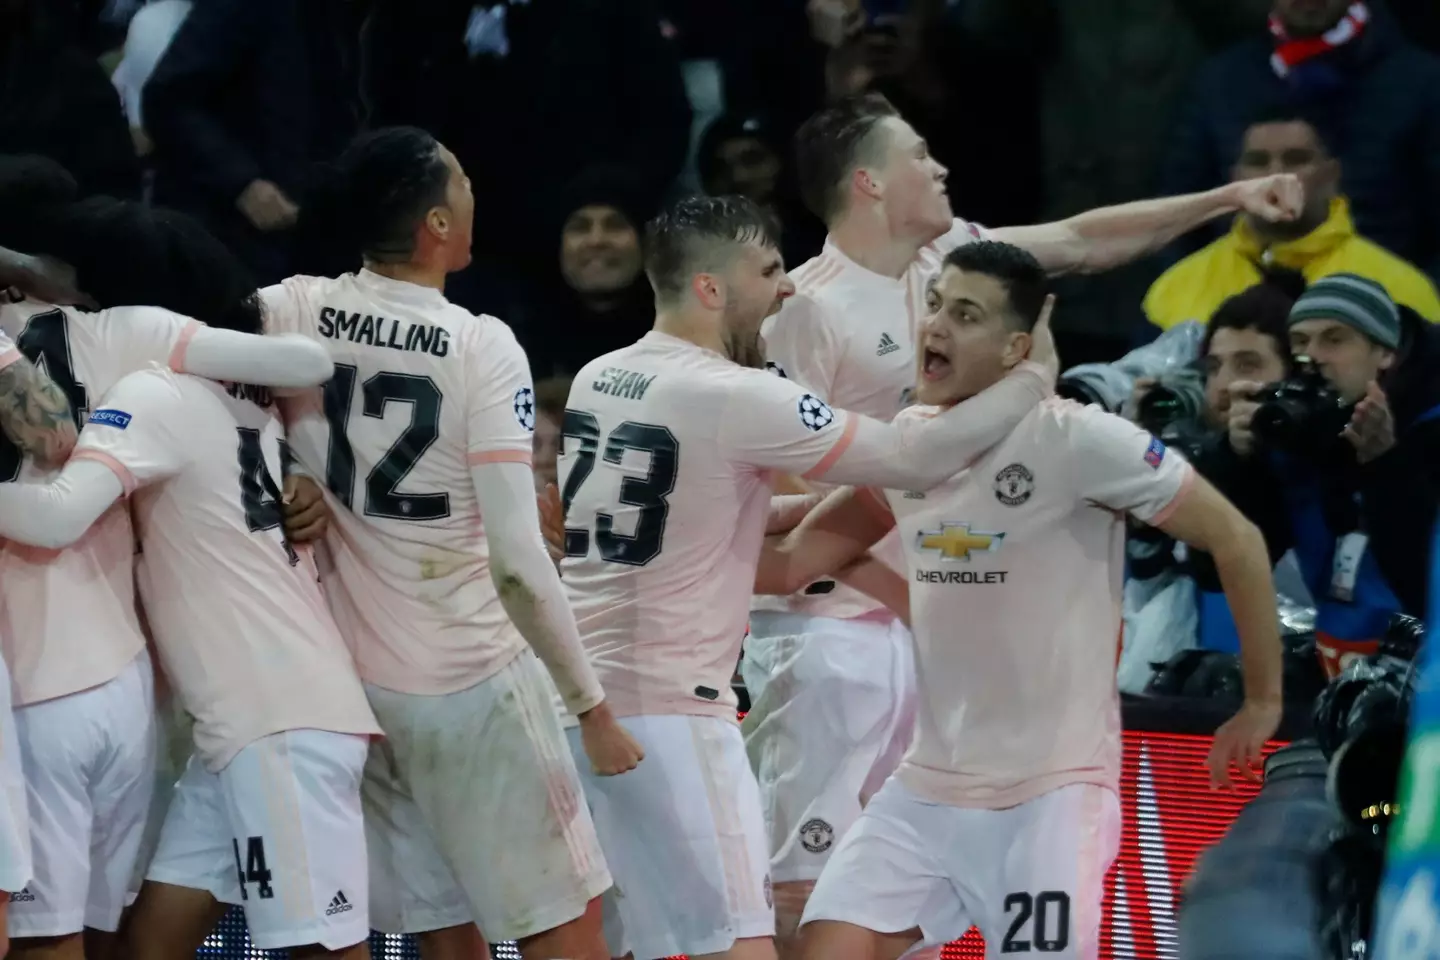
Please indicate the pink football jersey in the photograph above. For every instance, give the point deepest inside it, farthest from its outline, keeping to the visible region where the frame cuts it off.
(1015, 570)
(665, 477)
(237, 614)
(68, 616)
(423, 391)
(848, 335)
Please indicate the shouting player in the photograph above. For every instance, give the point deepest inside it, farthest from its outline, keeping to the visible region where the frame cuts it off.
(668, 449)
(831, 675)
(1005, 812)
(442, 583)
(83, 679)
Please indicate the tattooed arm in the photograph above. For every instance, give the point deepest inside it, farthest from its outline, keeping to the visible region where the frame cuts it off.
(33, 411)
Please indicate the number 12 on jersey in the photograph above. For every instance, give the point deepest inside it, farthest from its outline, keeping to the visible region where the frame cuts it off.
(646, 494)
(383, 497)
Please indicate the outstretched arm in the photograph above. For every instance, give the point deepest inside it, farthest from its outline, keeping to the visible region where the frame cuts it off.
(1110, 237)
(136, 436)
(285, 360)
(33, 411)
(56, 514)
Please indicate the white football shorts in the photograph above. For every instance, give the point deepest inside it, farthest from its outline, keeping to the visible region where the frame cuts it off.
(832, 711)
(279, 832)
(1031, 877)
(474, 811)
(685, 839)
(89, 763)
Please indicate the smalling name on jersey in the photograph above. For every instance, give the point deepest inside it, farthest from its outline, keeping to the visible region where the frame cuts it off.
(625, 384)
(960, 576)
(379, 332)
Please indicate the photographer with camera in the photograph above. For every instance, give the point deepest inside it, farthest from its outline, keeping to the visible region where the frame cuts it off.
(1349, 448)
(1173, 600)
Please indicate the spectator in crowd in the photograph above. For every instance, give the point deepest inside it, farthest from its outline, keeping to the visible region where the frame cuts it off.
(1374, 97)
(551, 395)
(1247, 339)
(55, 100)
(527, 94)
(1321, 242)
(1353, 489)
(1110, 77)
(599, 300)
(249, 94)
(742, 153)
(151, 29)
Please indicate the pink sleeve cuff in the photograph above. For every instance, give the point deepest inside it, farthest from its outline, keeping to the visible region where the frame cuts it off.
(837, 450)
(9, 357)
(476, 458)
(177, 354)
(122, 473)
(1166, 512)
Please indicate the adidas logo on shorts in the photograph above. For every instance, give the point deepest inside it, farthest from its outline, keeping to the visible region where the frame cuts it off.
(339, 905)
(887, 345)
(24, 896)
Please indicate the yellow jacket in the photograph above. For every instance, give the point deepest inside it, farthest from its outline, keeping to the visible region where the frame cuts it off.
(1194, 287)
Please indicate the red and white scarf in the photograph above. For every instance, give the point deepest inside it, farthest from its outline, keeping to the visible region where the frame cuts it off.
(1289, 51)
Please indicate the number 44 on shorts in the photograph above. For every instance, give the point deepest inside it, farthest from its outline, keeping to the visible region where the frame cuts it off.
(1041, 922)
(253, 868)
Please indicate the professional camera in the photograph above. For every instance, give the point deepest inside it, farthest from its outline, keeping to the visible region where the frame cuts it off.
(1302, 415)
(1360, 722)
(1177, 397)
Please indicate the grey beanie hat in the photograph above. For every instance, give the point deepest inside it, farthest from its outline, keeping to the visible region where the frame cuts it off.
(1354, 301)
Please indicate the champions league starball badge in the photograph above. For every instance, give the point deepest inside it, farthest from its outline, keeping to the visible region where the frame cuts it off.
(525, 408)
(815, 413)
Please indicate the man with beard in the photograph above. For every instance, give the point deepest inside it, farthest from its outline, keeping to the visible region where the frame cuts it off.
(669, 448)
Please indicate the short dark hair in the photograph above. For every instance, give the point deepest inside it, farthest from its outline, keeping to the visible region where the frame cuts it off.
(371, 199)
(829, 145)
(1264, 308)
(551, 396)
(125, 253)
(1285, 111)
(687, 236)
(1018, 271)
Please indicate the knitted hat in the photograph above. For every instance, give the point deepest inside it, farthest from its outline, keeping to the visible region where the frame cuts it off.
(1354, 301)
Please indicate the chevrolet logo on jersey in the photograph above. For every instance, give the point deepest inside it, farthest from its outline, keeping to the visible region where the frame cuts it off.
(956, 541)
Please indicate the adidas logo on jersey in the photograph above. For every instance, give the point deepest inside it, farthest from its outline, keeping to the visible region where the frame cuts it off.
(887, 345)
(24, 896)
(339, 904)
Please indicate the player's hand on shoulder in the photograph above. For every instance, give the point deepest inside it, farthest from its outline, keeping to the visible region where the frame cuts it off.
(609, 745)
(1042, 346)
(1240, 743)
(552, 522)
(306, 515)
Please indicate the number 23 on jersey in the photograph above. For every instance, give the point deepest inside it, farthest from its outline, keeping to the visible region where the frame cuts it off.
(645, 494)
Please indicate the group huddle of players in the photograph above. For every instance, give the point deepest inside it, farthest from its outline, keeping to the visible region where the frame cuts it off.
(424, 703)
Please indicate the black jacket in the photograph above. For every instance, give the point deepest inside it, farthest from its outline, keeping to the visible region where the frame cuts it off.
(1397, 493)
(251, 89)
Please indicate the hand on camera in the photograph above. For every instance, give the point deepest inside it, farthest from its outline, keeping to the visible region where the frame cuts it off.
(1242, 411)
(1131, 408)
(1371, 430)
